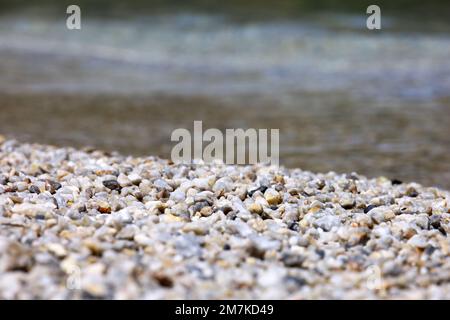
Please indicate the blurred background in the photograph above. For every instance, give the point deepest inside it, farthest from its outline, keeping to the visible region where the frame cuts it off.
(344, 98)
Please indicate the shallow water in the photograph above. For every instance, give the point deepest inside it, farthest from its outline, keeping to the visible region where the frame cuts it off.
(345, 98)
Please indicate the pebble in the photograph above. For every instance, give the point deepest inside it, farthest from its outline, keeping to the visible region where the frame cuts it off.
(34, 189)
(134, 228)
(53, 186)
(327, 222)
(272, 197)
(34, 210)
(112, 184)
(206, 211)
(177, 195)
(224, 184)
(135, 179)
(381, 214)
(418, 241)
(123, 181)
(161, 184)
(127, 233)
(292, 260)
(57, 249)
(255, 208)
(347, 202)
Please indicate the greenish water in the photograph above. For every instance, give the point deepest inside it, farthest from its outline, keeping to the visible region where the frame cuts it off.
(344, 98)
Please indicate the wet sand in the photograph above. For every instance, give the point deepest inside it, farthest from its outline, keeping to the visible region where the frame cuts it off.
(336, 135)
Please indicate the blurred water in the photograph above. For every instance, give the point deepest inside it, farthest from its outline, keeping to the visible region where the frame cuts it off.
(194, 54)
(345, 98)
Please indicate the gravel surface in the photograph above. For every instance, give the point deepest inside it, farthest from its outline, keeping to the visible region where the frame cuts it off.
(89, 224)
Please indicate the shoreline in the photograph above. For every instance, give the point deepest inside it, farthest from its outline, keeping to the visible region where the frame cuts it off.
(373, 142)
(92, 224)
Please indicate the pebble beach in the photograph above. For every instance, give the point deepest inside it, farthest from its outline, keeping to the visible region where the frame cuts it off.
(88, 224)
